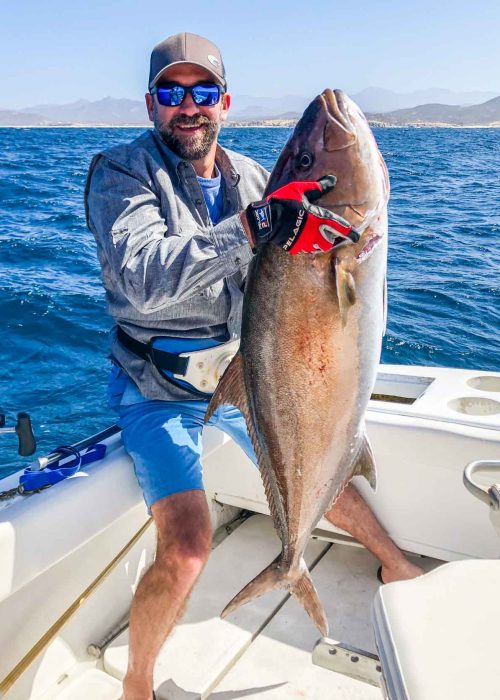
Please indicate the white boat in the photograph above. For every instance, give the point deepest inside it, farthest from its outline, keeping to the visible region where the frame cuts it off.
(71, 556)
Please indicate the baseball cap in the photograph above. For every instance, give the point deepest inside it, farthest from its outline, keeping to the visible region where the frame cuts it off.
(186, 48)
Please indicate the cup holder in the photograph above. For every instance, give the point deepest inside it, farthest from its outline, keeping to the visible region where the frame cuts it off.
(475, 405)
(485, 383)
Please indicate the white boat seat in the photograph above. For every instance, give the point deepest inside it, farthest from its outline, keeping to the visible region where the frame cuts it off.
(438, 635)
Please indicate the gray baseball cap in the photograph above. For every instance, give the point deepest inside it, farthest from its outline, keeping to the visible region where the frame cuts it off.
(186, 48)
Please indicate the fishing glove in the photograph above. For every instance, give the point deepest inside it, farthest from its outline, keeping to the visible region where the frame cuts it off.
(287, 218)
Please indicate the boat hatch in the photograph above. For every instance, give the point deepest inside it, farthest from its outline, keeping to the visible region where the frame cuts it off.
(400, 388)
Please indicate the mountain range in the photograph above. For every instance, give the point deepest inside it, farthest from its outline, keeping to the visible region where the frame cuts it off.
(485, 114)
(370, 100)
(380, 105)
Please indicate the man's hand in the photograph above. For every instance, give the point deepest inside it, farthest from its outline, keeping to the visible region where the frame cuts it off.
(288, 219)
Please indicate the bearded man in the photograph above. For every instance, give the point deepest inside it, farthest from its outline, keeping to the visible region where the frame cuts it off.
(168, 212)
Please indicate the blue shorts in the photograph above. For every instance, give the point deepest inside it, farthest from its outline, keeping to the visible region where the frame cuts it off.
(164, 440)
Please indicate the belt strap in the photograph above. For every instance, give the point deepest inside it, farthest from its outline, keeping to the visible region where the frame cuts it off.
(161, 359)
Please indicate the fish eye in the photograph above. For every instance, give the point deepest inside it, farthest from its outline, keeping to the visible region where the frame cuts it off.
(304, 160)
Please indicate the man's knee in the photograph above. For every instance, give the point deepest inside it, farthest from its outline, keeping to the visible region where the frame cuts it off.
(183, 561)
(184, 534)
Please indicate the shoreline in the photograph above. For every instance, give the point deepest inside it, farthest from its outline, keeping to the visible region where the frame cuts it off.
(376, 125)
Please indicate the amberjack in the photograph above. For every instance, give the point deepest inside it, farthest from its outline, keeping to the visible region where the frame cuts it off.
(310, 343)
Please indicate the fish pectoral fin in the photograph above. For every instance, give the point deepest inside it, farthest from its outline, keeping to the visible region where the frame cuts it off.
(346, 289)
(365, 464)
(230, 389)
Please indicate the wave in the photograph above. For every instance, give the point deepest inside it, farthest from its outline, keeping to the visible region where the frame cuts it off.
(444, 262)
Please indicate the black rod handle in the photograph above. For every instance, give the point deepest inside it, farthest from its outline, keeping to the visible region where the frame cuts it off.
(27, 442)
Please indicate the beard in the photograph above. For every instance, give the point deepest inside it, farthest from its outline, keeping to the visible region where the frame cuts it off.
(188, 146)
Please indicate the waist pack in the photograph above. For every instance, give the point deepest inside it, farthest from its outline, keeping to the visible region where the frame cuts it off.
(201, 369)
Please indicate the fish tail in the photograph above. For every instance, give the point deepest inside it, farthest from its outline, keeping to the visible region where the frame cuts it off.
(305, 592)
(269, 579)
(297, 580)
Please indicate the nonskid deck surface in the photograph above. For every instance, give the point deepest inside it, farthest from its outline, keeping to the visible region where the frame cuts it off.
(278, 663)
(263, 650)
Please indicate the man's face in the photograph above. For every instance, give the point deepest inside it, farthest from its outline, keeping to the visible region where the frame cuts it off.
(190, 130)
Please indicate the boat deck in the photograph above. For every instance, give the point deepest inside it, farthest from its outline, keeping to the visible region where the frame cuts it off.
(263, 649)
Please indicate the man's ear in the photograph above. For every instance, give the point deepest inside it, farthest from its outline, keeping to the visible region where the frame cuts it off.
(150, 105)
(226, 103)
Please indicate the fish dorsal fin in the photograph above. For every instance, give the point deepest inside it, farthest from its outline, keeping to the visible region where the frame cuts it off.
(384, 301)
(346, 289)
(230, 390)
(365, 463)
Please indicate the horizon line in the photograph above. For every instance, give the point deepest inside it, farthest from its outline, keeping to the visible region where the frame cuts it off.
(263, 97)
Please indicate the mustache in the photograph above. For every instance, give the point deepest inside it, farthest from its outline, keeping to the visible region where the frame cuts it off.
(183, 120)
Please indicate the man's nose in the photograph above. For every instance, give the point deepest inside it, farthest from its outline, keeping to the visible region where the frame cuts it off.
(189, 106)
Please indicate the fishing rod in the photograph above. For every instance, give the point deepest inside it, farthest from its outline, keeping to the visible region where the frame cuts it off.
(59, 453)
(24, 430)
(46, 471)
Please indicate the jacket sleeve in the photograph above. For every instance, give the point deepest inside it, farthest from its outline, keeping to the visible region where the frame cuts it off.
(152, 265)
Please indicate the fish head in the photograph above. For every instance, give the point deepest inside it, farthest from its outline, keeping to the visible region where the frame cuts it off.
(334, 138)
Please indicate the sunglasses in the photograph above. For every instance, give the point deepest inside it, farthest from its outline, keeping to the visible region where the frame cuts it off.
(174, 94)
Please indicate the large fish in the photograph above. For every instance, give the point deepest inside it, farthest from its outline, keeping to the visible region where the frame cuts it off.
(310, 343)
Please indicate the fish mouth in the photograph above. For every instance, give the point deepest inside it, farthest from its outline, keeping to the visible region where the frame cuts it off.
(339, 132)
(370, 244)
(345, 126)
(330, 125)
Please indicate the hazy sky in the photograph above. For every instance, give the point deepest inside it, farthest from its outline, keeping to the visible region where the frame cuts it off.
(61, 50)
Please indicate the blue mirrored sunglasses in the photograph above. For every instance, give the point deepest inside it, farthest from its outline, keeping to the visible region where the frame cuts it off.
(174, 94)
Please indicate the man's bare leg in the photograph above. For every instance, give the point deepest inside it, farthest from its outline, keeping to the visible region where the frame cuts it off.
(184, 541)
(351, 513)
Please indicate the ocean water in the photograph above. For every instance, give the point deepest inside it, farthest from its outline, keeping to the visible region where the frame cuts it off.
(443, 275)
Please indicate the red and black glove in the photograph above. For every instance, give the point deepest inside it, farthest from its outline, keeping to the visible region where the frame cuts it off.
(288, 219)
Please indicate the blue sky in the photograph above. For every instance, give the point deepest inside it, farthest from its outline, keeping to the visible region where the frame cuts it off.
(61, 50)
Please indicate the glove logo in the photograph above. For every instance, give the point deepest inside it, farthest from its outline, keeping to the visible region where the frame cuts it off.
(298, 223)
(262, 220)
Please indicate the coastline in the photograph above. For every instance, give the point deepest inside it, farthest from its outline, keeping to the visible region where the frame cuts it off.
(261, 125)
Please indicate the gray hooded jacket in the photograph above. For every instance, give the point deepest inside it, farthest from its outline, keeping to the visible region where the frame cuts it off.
(167, 270)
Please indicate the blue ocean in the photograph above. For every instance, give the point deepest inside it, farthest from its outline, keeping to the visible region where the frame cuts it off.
(444, 266)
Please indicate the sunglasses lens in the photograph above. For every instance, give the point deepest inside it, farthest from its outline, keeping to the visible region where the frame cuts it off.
(171, 96)
(206, 95)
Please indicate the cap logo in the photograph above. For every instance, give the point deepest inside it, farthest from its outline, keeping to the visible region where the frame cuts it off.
(214, 61)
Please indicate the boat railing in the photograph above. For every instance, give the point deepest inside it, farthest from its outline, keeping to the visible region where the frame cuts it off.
(491, 495)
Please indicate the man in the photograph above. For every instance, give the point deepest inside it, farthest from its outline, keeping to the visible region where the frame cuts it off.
(168, 212)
